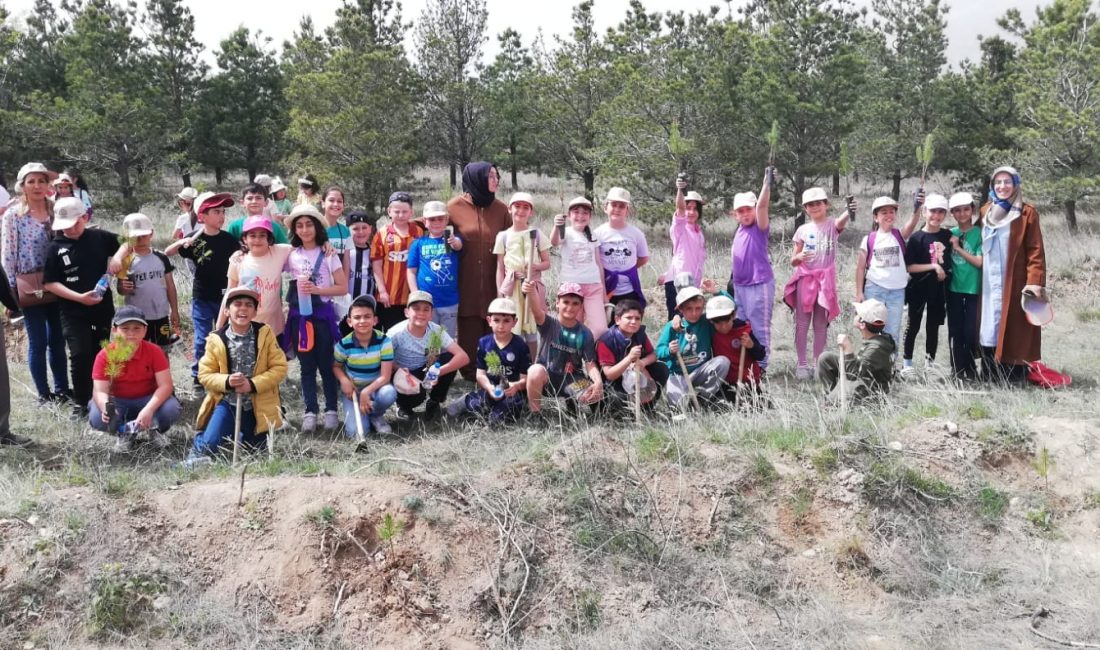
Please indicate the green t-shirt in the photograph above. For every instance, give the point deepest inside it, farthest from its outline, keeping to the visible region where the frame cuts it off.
(234, 228)
(966, 278)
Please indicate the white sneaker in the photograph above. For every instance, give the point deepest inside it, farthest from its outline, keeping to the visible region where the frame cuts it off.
(195, 462)
(123, 445)
(379, 424)
(158, 439)
(309, 423)
(804, 373)
(908, 372)
(331, 420)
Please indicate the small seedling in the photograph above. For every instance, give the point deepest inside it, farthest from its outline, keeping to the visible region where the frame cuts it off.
(324, 517)
(924, 157)
(773, 142)
(1042, 466)
(389, 530)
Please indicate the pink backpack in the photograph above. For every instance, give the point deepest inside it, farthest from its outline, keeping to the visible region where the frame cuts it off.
(871, 244)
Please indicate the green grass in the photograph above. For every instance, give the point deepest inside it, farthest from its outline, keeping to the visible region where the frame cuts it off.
(1089, 315)
(761, 469)
(656, 445)
(890, 483)
(991, 504)
(782, 438)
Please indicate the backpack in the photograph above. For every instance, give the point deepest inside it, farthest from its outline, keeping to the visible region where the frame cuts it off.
(871, 244)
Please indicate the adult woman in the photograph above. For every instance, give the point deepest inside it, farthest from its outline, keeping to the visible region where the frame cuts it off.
(26, 236)
(477, 216)
(1013, 262)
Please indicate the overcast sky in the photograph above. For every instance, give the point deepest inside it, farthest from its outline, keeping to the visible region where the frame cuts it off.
(215, 19)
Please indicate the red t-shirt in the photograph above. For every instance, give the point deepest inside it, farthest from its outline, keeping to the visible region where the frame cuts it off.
(138, 378)
(728, 345)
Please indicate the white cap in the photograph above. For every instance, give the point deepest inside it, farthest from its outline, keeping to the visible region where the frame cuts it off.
(63, 178)
(814, 194)
(277, 185)
(883, 202)
(959, 199)
(744, 200)
(434, 209)
(871, 311)
(188, 194)
(521, 197)
(695, 196)
(686, 294)
(66, 212)
(720, 307)
(262, 179)
(137, 225)
(580, 200)
(502, 306)
(935, 202)
(617, 194)
(30, 168)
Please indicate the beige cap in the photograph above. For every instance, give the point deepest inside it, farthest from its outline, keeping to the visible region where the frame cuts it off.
(434, 209)
(522, 197)
(66, 212)
(883, 202)
(960, 199)
(871, 311)
(188, 194)
(814, 194)
(277, 185)
(419, 296)
(237, 292)
(695, 196)
(63, 178)
(580, 200)
(137, 225)
(936, 202)
(617, 194)
(720, 307)
(502, 306)
(262, 179)
(30, 168)
(744, 200)
(686, 294)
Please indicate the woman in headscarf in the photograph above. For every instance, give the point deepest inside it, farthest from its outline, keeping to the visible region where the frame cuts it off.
(477, 216)
(1013, 263)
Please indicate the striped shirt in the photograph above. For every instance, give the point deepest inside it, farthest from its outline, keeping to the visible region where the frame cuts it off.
(363, 364)
(393, 249)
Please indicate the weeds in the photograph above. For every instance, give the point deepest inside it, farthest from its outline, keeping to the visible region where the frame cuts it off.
(977, 411)
(761, 470)
(1042, 466)
(586, 610)
(656, 445)
(1042, 518)
(890, 483)
(1089, 315)
(323, 517)
(122, 598)
(253, 518)
(801, 503)
(119, 484)
(991, 504)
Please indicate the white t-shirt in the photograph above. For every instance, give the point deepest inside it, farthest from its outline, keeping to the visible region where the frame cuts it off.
(887, 267)
(183, 224)
(620, 249)
(578, 259)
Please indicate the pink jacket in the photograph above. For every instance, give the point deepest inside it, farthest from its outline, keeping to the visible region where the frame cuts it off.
(819, 286)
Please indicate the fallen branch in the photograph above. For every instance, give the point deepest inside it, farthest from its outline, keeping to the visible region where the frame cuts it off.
(1033, 625)
(396, 459)
(339, 597)
(366, 554)
(713, 511)
(240, 496)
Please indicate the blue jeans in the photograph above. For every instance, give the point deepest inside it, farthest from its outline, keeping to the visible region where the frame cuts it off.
(381, 399)
(204, 313)
(319, 359)
(894, 299)
(220, 428)
(46, 340)
(128, 409)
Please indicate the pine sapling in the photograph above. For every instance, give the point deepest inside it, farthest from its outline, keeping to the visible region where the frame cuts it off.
(844, 167)
(494, 368)
(118, 352)
(435, 345)
(773, 142)
(924, 157)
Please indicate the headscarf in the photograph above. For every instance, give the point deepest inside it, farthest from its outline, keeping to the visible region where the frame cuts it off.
(475, 182)
(1003, 211)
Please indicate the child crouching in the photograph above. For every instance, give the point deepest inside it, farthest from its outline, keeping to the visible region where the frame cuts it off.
(733, 338)
(502, 362)
(624, 348)
(363, 362)
(686, 344)
(869, 372)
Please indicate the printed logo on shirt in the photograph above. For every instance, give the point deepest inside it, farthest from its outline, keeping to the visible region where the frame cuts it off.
(398, 256)
(887, 256)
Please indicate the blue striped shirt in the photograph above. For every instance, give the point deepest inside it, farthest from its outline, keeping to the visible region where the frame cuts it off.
(363, 364)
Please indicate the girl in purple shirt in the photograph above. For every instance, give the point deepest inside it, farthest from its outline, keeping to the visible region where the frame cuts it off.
(751, 278)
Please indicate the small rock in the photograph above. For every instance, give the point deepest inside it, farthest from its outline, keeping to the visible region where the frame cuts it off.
(896, 445)
(809, 553)
(960, 453)
(951, 428)
(844, 474)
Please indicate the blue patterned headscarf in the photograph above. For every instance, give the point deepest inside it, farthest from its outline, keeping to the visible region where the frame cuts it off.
(1002, 212)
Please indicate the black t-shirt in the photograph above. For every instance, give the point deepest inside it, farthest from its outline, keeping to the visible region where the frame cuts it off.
(917, 252)
(211, 257)
(79, 264)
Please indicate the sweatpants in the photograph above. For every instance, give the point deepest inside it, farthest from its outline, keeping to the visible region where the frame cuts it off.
(82, 339)
(707, 380)
(962, 331)
(819, 317)
(754, 304)
(930, 296)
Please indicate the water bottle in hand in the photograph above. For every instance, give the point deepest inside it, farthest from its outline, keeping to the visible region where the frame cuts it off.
(103, 284)
(810, 245)
(432, 376)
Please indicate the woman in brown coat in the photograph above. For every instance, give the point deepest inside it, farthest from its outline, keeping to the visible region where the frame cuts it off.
(1013, 262)
(477, 216)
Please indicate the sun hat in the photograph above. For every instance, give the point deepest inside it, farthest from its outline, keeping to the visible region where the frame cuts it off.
(569, 289)
(129, 314)
(694, 196)
(1037, 310)
(502, 306)
(744, 200)
(239, 291)
(137, 225)
(617, 194)
(883, 202)
(30, 168)
(720, 307)
(960, 199)
(63, 178)
(188, 194)
(871, 311)
(434, 209)
(936, 202)
(580, 200)
(419, 296)
(210, 200)
(66, 212)
(258, 222)
(686, 294)
(277, 185)
(522, 197)
(303, 210)
(814, 194)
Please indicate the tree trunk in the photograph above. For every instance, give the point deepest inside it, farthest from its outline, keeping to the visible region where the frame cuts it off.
(799, 187)
(589, 176)
(895, 190)
(515, 161)
(186, 178)
(1070, 207)
(454, 176)
(219, 176)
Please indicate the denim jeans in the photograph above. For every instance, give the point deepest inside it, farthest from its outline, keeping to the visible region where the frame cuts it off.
(220, 428)
(204, 313)
(318, 360)
(128, 409)
(894, 299)
(45, 340)
(381, 399)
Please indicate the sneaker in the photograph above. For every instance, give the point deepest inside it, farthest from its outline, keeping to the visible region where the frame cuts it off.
(309, 423)
(908, 372)
(158, 439)
(404, 414)
(79, 412)
(123, 445)
(379, 424)
(331, 420)
(9, 439)
(195, 461)
(432, 410)
(803, 373)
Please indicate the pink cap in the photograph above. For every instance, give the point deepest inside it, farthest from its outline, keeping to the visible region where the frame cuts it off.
(254, 223)
(570, 288)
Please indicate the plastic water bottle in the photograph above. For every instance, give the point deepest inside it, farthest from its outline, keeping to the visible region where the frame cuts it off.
(811, 242)
(103, 284)
(498, 391)
(305, 301)
(432, 376)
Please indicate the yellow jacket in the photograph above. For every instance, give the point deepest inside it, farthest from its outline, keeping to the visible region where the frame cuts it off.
(270, 371)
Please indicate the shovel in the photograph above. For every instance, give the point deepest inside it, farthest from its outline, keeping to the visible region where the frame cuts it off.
(237, 431)
(740, 372)
(687, 378)
(843, 383)
(637, 393)
(360, 438)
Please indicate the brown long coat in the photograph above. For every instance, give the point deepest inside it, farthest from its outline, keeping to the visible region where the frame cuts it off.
(477, 268)
(1018, 340)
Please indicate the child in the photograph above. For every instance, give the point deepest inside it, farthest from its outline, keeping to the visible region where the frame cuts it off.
(264, 181)
(62, 186)
(502, 362)
(80, 190)
(731, 336)
(433, 266)
(77, 262)
(581, 262)
(254, 199)
(389, 253)
(147, 283)
(186, 221)
(243, 362)
(361, 273)
(363, 362)
(880, 262)
(625, 347)
(142, 391)
(868, 374)
(209, 248)
(964, 287)
(420, 345)
(623, 250)
(689, 248)
(751, 277)
(689, 337)
(260, 268)
(566, 363)
(281, 205)
(811, 291)
(514, 249)
(309, 191)
(929, 270)
(339, 237)
(318, 278)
